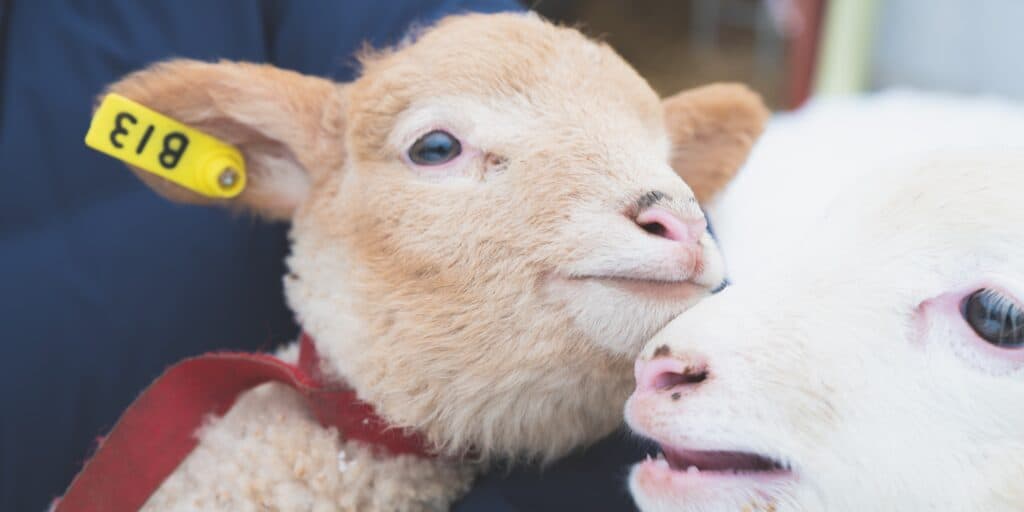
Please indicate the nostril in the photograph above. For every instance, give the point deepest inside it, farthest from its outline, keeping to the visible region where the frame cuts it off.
(655, 228)
(669, 380)
(664, 373)
(665, 224)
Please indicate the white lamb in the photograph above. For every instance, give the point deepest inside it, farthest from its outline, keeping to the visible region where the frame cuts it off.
(871, 354)
(486, 227)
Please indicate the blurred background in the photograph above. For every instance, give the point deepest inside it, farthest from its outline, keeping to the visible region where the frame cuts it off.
(790, 49)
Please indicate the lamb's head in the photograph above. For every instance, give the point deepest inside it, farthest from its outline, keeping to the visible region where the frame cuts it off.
(879, 366)
(487, 224)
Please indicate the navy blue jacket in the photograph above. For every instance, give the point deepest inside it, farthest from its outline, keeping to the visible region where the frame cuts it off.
(105, 283)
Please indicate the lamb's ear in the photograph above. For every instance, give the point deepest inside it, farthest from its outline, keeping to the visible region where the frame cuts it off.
(712, 129)
(288, 126)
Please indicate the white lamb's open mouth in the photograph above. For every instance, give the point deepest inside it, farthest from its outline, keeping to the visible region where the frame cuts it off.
(723, 462)
(695, 476)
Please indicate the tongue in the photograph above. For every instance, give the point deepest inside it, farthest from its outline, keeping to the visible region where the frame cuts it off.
(716, 461)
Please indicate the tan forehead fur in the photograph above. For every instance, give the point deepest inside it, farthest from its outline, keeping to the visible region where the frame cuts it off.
(543, 66)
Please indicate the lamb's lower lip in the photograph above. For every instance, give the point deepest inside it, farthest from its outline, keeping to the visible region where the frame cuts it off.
(651, 288)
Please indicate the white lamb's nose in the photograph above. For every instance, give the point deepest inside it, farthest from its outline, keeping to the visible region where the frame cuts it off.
(670, 372)
(663, 223)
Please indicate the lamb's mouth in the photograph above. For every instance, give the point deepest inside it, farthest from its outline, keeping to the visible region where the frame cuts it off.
(651, 288)
(683, 470)
(711, 479)
(720, 462)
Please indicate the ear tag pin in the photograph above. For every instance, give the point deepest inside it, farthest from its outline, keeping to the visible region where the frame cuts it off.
(153, 142)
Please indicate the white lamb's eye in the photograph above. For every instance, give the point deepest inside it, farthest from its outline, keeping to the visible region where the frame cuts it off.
(996, 318)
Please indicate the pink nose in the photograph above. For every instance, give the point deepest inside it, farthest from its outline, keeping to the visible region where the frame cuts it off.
(668, 372)
(665, 224)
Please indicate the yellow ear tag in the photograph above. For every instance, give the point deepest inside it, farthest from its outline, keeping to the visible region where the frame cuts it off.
(158, 144)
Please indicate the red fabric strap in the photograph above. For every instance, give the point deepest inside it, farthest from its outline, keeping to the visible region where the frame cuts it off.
(157, 431)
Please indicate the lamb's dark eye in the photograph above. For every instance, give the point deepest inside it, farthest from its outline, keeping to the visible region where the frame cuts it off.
(995, 317)
(435, 148)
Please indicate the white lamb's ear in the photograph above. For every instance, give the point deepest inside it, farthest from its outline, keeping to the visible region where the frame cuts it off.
(288, 126)
(712, 129)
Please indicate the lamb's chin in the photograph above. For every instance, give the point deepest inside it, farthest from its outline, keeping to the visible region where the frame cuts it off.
(534, 424)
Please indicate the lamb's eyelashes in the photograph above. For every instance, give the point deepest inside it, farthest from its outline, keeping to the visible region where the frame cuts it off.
(995, 318)
(958, 312)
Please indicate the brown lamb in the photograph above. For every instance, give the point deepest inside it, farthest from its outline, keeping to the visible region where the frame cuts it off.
(493, 303)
